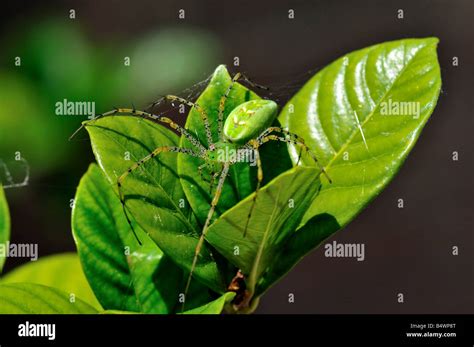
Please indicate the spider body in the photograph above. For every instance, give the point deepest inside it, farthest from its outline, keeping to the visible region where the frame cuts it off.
(249, 119)
(219, 147)
(215, 158)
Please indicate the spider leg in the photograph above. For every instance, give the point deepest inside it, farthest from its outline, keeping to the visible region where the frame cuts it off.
(215, 200)
(255, 146)
(214, 175)
(156, 103)
(220, 117)
(201, 175)
(150, 116)
(262, 140)
(139, 163)
(280, 130)
(253, 84)
(201, 111)
(286, 132)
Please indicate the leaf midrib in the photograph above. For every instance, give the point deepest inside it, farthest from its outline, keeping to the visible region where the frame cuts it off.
(253, 273)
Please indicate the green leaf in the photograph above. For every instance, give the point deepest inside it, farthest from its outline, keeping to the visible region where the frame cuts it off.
(213, 307)
(241, 181)
(4, 223)
(29, 298)
(153, 193)
(124, 275)
(279, 207)
(343, 113)
(60, 271)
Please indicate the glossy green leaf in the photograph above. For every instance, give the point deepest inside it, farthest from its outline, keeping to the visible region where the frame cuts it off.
(4, 223)
(60, 271)
(123, 274)
(153, 192)
(29, 298)
(213, 307)
(279, 207)
(347, 114)
(240, 183)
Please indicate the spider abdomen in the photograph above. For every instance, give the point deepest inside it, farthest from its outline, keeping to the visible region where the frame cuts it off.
(249, 119)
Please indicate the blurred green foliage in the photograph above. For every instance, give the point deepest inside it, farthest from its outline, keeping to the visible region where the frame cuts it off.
(61, 271)
(58, 61)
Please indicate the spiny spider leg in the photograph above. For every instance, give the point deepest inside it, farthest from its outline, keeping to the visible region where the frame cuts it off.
(220, 117)
(201, 175)
(200, 243)
(284, 139)
(150, 116)
(214, 175)
(142, 161)
(112, 112)
(286, 132)
(156, 103)
(255, 146)
(201, 111)
(280, 130)
(253, 84)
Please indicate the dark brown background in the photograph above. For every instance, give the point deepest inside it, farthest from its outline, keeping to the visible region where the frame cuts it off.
(407, 250)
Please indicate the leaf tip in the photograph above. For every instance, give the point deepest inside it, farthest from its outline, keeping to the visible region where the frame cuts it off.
(220, 69)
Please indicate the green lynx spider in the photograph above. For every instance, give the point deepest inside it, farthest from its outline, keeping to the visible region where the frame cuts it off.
(247, 127)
